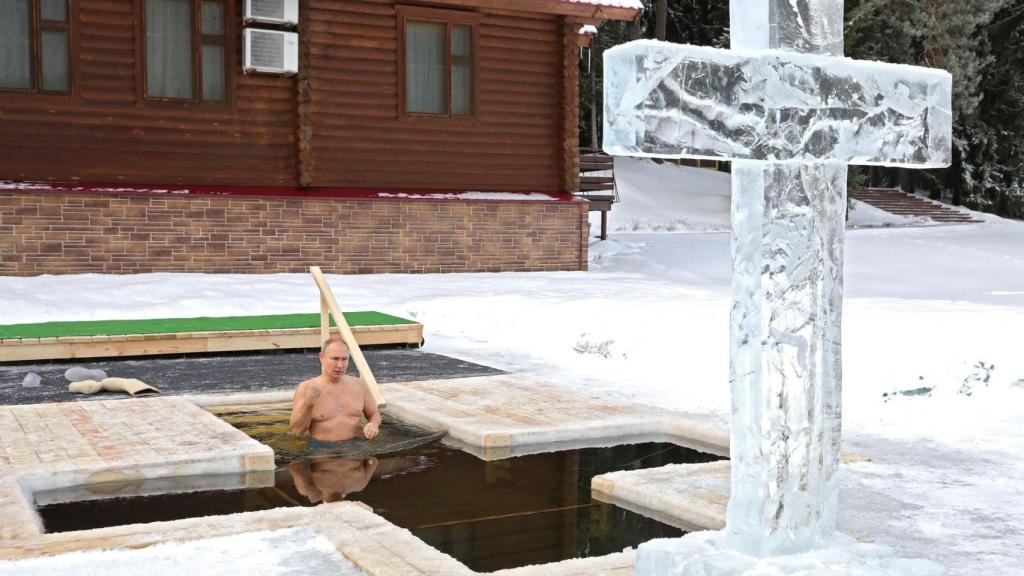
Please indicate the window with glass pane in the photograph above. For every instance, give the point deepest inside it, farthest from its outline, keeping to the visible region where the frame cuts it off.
(53, 10)
(34, 57)
(54, 68)
(425, 80)
(54, 48)
(169, 38)
(462, 70)
(438, 63)
(15, 44)
(214, 42)
(177, 31)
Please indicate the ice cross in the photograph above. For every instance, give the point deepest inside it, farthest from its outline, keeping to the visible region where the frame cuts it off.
(791, 113)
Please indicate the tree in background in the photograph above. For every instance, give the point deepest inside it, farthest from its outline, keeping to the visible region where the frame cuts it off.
(700, 22)
(959, 36)
(997, 151)
(980, 42)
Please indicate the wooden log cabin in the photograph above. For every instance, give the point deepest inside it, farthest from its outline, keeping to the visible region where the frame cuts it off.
(415, 136)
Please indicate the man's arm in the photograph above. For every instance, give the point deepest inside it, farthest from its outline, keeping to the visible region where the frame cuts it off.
(302, 407)
(369, 466)
(302, 477)
(372, 427)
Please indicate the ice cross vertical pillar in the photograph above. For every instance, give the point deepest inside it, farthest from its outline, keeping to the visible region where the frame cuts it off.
(791, 113)
(785, 368)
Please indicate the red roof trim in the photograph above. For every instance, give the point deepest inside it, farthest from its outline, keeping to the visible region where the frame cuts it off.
(287, 193)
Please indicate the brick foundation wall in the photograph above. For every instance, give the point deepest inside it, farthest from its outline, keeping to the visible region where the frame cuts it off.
(67, 233)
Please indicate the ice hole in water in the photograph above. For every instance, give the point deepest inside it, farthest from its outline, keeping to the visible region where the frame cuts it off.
(489, 515)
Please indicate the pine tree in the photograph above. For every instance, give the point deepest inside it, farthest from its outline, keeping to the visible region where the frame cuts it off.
(954, 35)
(998, 133)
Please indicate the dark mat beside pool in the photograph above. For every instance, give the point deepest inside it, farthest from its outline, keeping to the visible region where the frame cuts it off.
(250, 372)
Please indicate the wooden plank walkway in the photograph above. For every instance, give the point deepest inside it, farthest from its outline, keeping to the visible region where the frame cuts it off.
(110, 346)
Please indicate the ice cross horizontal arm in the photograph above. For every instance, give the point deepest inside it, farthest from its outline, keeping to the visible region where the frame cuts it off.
(670, 100)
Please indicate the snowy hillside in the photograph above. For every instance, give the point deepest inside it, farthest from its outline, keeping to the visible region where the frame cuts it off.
(664, 197)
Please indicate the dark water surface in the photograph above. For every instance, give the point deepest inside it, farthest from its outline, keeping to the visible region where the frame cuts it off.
(489, 515)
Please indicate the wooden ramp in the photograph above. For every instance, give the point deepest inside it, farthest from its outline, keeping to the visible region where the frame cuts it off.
(60, 340)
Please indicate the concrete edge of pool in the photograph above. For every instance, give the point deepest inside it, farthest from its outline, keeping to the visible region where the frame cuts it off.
(494, 416)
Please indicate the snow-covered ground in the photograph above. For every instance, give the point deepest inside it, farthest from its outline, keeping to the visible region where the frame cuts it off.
(932, 334)
(287, 552)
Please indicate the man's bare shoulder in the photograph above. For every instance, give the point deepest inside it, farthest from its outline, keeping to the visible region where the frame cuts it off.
(352, 380)
(307, 383)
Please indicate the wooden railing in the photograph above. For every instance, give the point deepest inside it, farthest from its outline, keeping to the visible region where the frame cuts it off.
(328, 308)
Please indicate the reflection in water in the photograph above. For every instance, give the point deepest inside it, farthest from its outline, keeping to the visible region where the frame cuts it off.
(331, 480)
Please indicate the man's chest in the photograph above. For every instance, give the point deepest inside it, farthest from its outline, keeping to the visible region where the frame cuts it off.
(338, 404)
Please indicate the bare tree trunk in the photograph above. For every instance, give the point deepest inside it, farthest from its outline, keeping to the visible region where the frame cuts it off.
(660, 18)
(637, 28)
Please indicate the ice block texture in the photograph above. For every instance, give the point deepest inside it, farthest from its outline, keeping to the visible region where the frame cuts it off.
(785, 368)
(670, 100)
(813, 26)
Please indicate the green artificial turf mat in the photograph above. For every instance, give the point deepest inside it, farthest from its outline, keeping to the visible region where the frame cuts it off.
(175, 325)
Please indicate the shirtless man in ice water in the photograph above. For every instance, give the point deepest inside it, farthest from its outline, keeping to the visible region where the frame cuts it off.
(329, 407)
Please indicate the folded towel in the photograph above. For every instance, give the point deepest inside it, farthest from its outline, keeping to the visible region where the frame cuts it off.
(132, 386)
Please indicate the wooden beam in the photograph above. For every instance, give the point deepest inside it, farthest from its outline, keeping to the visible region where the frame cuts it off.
(19, 350)
(558, 7)
(581, 21)
(304, 101)
(346, 334)
(325, 321)
(570, 136)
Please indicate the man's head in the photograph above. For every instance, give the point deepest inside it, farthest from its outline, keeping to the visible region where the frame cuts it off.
(334, 358)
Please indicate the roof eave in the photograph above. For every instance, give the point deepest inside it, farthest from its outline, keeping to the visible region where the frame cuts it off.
(585, 13)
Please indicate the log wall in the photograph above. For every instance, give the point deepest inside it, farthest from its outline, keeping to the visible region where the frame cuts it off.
(360, 140)
(105, 132)
(335, 125)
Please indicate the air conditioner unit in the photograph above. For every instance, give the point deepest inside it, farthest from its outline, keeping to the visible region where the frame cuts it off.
(271, 11)
(270, 51)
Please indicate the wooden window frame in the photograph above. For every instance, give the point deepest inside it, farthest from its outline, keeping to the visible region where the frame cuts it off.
(449, 18)
(198, 40)
(36, 28)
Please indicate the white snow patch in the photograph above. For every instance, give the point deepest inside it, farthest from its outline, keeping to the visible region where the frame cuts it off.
(635, 4)
(665, 197)
(532, 196)
(707, 553)
(289, 552)
(9, 185)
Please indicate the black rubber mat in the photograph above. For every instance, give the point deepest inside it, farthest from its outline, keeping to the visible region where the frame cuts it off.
(248, 372)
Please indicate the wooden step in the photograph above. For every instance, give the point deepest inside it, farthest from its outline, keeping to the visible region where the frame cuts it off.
(904, 204)
(593, 186)
(595, 166)
(597, 159)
